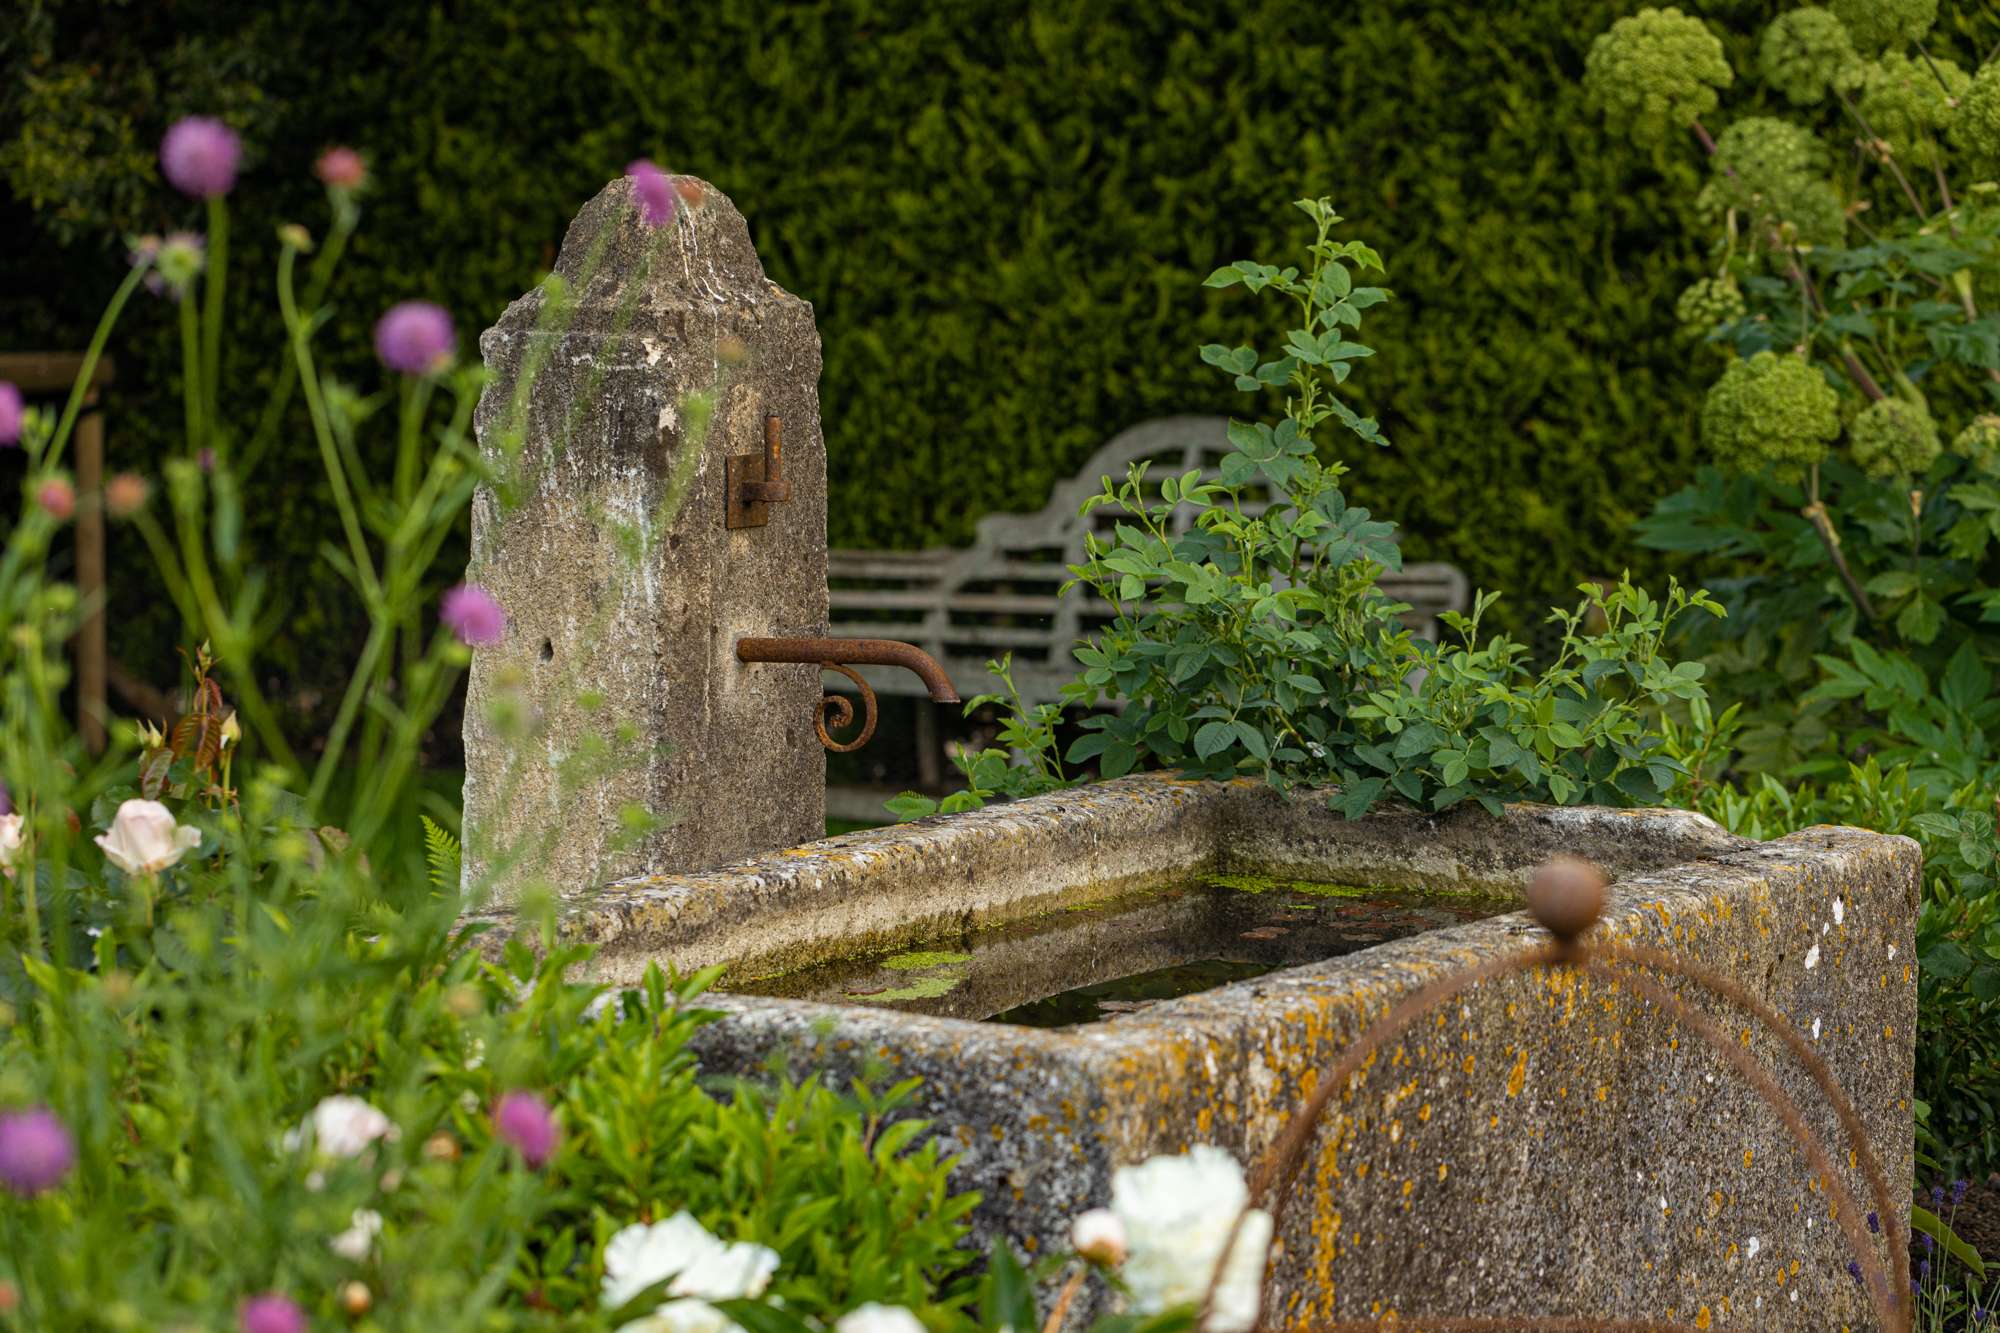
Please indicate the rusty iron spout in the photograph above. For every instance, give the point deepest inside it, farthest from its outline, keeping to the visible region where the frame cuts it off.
(853, 652)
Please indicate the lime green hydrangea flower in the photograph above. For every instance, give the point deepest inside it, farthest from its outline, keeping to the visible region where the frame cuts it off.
(1655, 73)
(1894, 438)
(1707, 303)
(1975, 126)
(1876, 24)
(1773, 172)
(1979, 445)
(1910, 102)
(1805, 52)
(1770, 411)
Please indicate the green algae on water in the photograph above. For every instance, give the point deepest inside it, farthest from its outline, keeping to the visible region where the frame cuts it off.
(923, 988)
(1269, 883)
(923, 960)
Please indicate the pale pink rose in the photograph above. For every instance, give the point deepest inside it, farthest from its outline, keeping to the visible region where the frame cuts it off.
(144, 839)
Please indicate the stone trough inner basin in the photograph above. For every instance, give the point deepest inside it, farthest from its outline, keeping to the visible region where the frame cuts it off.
(1087, 979)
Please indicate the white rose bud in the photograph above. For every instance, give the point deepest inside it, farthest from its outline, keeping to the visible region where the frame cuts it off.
(11, 838)
(876, 1318)
(1099, 1236)
(232, 731)
(144, 839)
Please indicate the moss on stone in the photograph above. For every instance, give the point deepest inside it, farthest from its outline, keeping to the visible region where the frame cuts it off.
(1269, 883)
(923, 959)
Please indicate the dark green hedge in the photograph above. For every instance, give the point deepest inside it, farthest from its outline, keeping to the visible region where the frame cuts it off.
(1001, 211)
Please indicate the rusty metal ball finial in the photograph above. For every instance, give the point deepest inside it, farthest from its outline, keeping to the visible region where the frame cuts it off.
(1566, 896)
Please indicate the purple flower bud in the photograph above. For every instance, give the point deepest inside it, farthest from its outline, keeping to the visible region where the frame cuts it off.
(1929, 1242)
(654, 191)
(270, 1313)
(1937, 1196)
(1854, 1271)
(199, 157)
(1924, 1271)
(12, 409)
(1978, 1314)
(1958, 1189)
(415, 338)
(342, 168)
(525, 1121)
(36, 1151)
(1874, 1224)
(470, 612)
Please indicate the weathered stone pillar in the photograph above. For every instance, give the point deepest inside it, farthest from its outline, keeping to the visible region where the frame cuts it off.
(623, 610)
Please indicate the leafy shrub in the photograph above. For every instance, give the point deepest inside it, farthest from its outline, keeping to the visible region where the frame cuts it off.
(1256, 641)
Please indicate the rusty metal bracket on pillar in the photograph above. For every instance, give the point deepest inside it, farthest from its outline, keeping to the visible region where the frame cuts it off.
(843, 655)
(752, 483)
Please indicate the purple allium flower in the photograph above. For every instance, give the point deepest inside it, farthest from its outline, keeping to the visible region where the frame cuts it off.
(415, 337)
(36, 1151)
(12, 409)
(342, 168)
(1874, 1224)
(199, 157)
(654, 191)
(470, 612)
(270, 1313)
(57, 498)
(524, 1120)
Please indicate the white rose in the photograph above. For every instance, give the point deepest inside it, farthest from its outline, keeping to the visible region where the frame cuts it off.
(1099, 1236)
(144, 839)
(11, 838)
(874, 1318)
(700, 1265)
(358, 1240)
(342, 1127)
(1178, 1213)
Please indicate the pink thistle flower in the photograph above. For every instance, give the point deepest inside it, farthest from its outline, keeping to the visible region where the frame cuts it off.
(36, 1151)
(342, 168)
(654, 192)
(199, 157)
(270, 1313)
(57, 498)
(415, 338)
(12, 411)
(524, 1120)
(470, 612)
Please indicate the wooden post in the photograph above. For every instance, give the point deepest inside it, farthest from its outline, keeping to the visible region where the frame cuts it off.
(49, 374)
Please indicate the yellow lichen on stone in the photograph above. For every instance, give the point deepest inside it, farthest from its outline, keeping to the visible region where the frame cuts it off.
(1519, 1077)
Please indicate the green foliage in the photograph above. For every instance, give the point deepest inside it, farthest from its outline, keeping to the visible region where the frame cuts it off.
(1040, 191)
(1805, 52)
(1655, 73)
(1875, 24)
(1706, 303)
(442, 854)
(1256, 642)
(1770, 412)
(1908, 101)
(1894, 440)
(1773, 173)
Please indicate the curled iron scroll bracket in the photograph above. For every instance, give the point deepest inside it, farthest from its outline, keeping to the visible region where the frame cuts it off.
(836, 711)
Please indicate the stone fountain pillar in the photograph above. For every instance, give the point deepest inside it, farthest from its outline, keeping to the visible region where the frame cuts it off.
(615, 688)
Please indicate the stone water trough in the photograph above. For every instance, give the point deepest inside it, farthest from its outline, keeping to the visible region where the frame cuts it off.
(1544, 1146)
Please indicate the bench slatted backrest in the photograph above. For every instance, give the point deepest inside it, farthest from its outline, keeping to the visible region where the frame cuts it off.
(966, 605)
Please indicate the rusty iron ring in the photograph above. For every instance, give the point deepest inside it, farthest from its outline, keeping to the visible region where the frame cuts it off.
(836, 711)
